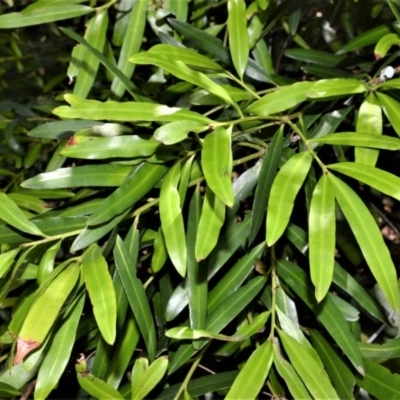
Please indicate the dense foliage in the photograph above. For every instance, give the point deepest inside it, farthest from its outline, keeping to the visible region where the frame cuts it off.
(199, 196)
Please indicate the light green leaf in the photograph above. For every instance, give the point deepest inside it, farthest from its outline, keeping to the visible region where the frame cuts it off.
(281, 99)
(101, 292)
(238, 40)
(283, 193)
(335, 87)
(321, 233)
(44, 15)
(145, 378)
(211, 221)
(216, 162)
(6, 260)
(248, 384)
(131, 44)
(160, 253)
(172, 219)
(369, 238)
(11, 214)
(384, 44)
(126, 111)
(390, 107)
(390, 349)
(176, 131)
(369, 120)
(96, 387)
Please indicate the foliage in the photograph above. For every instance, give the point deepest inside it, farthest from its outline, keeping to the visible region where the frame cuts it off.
(129, 254)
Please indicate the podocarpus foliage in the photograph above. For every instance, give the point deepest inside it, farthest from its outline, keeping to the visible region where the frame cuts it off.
(199, 196)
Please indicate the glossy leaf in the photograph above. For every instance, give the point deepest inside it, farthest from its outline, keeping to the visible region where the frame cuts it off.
(335, 87)
(138, 183)
(43, 15)
(211, 221)
(6, 260)
(238, 41)
(136, 295)
(160, 253)
(95, 35)
(46, 265)
(390, 107)
(101, 292)
(145, 378)
(38, 324)
(11, 214)
(126, 111)
(131, 44)
(59, 351)
(369, 238)
(216, 162)
(321, 233)
(175, 132)
(288, 182)
(281, 99)
(267, 175)
(247, 384)
(384, 44)
(172, 220)
(306, 361)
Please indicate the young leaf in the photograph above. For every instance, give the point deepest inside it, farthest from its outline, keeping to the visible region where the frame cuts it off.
(369, 238)
(321, 233)
(283, 193)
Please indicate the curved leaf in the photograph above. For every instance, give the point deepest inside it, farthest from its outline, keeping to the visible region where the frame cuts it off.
(335, 87)
(283, 193)
(384, 44)
(390, 107)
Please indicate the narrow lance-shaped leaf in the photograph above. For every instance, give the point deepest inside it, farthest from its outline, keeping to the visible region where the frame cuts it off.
(384, 44)
(267, 174)
(131, 44)
(101, 292)
(211, 221)
(390, 107)
(369, 238)
(335, 87)
(216, 161)
(238, 40)
(321, 231)
(369, 120)
(11, 214)
(172, 220)
(283, 193)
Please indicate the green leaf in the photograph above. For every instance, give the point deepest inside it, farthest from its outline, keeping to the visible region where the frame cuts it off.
(335, 87)
(61, 129)
(8, 391)
(367, 38)
(248, 384)
(172, 220)
(129, 86)
(369, 120)
(126, 111)
(211, 221)
(327, 311)
(385, 43)
(238, 40)
(390, 107)
(160, 253)
(321, 222)
(381, 180)
(216, 162)
(281, 99)
(289, 374)
(120, 146)
(44, 15)
(288, 182)
(96, 387)
(95, 35)
(369, 238)
(379, 381)
(37, 324)
(85, 176)
(6, 260)
(340, 374)
(188, 56)
(305, 360)
(314, 56)
(11, 214)
(101, 292)
(176, 131)
(359, 139)
(390, 349)
(139, 182)
(57, 354)
(136, 294)
(267, 175)
(131, 44)
(145, 378)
